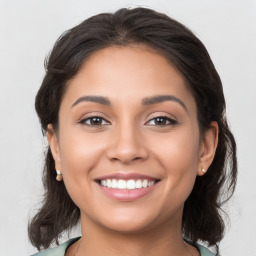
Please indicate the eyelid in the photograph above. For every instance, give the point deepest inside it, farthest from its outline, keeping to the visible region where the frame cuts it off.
(171, 118)
(92, 115)
(161, 114)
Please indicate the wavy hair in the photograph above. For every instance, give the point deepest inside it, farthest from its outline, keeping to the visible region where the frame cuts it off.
(202, 218)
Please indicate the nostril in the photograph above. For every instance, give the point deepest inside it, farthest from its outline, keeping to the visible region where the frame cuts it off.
(126, 150)
(126, 159)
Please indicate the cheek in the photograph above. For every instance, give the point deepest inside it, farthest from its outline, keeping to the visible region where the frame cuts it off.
(178, 155)
(79, 156)
(177, 148)
(79, 151)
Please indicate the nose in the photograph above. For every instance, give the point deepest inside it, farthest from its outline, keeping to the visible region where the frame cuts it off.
(127, 146)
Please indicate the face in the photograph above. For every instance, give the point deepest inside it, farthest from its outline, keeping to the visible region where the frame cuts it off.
(128, 142)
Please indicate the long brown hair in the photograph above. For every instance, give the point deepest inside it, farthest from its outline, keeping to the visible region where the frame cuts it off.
(201, 217)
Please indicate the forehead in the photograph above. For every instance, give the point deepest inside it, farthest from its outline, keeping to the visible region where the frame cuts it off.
(125, 73)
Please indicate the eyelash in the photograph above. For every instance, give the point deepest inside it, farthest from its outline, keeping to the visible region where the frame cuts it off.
(171, 121)
(166, 118)
(83, 121)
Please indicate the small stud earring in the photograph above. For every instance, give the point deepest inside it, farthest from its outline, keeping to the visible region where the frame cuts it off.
(59, 176)
(203, 170)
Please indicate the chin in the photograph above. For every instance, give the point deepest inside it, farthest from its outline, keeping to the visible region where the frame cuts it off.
(130, 220)
(127, 226)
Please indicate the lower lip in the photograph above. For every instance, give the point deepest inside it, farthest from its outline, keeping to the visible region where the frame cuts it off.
(127, 194)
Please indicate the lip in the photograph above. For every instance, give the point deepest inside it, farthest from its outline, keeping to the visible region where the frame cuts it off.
(126, 195)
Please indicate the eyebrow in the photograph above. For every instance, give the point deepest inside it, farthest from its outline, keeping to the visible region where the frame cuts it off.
(162, 98)
(146, 101)
(97, 99)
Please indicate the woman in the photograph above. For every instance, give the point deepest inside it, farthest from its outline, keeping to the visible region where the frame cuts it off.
(134, 114)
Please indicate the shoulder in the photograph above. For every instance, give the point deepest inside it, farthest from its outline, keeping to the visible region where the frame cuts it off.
(204, 251)
(58, 251)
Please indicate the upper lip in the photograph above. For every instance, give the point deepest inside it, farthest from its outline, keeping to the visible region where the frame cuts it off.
(126, 176)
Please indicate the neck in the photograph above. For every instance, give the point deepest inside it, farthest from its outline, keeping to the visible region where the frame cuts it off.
(166, 240)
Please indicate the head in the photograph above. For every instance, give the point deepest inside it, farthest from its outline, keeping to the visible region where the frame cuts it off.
(139, 35)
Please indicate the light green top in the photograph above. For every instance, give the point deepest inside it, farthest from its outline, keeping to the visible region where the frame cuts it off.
(60, 251)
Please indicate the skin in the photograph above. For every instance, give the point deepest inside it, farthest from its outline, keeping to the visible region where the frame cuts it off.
(130, 139)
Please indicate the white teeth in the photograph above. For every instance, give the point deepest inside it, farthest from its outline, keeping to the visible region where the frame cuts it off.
(126, 184)
(130, 184)
(109, 183)
(121, 184)
(151, 183)
(145, 183)
(114, 184)
(138, 184)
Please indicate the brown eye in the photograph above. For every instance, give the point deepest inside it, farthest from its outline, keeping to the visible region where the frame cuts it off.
(94, 121)
(162, 121)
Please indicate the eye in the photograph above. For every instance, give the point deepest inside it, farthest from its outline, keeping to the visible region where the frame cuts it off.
(162, 121)
(94, 121)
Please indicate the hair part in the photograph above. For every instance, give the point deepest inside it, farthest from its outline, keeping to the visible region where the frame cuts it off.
(202, 218)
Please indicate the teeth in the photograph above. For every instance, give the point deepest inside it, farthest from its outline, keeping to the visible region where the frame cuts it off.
(114, 183)
(121, 184)
(104, 183)
(144, 183)
(130, 184)
(151, 183)
(138, 184)
(126, 184)
(109, 183)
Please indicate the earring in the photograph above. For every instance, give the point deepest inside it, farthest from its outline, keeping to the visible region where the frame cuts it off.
(59, 176)
(203, 170)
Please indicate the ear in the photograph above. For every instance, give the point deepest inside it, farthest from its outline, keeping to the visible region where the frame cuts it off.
(208, 147)
(54, 146)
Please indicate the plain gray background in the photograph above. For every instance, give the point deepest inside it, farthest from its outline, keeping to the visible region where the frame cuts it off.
(28, 29)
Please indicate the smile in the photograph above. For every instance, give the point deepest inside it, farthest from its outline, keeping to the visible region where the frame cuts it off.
(123, 186)
(127, 184)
